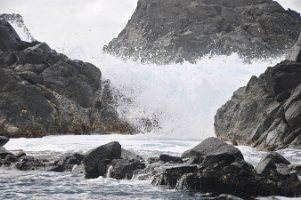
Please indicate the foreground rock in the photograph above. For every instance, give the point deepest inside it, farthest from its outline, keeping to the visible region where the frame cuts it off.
(265, 114)
(226, 172)
(3, 140)
(96, 160)
(43, 92)
(176, 31)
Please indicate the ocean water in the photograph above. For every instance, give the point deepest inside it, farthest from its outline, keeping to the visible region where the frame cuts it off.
(182, 98)
(49, 185)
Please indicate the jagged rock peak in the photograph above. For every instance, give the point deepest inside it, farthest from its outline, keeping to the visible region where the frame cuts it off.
(166, 31)
(17, 21)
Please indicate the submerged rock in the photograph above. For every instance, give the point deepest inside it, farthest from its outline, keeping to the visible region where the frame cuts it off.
(266, 113)
(44, 92)
(176, 31)
(125, 169)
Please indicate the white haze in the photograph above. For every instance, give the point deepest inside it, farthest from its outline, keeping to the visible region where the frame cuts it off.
(184, 97)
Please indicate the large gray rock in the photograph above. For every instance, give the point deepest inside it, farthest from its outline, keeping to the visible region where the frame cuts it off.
(43, 92)
(164, 31)
(96, 160)
(266, 113)
(213, 146)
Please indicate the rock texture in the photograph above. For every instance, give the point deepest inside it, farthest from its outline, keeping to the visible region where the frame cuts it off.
(165, 31)
(265, 114)
(44, 92)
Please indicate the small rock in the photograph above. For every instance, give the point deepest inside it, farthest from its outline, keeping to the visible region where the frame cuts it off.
(3, 140)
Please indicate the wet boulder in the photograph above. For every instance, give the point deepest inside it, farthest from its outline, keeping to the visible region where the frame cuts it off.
(124, 169)
(96, 160)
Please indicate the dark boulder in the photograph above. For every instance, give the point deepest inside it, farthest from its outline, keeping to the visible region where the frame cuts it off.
(176, 31)
(212, 146)
(96, 160)
(124, 169)
(266, 113)
(67, 162)
(43, 92)
(3, 140)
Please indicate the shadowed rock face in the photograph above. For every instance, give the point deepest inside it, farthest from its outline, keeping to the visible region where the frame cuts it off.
(267, 112)
(165, 31)
(44, 92)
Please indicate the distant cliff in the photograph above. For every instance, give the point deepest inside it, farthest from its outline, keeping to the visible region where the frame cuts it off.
(44, 92)
(165, 31)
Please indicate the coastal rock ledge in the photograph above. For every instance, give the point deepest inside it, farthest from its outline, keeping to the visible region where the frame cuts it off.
(44, 92)
(168, 31)
(266, 114)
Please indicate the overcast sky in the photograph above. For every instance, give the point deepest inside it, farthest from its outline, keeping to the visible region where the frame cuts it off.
(74, 22)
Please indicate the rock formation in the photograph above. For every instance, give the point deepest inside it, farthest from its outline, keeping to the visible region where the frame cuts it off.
(266, 114)
(44, 92)
(165, 31)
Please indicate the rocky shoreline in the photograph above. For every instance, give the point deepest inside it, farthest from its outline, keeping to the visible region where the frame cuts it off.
(213, 167)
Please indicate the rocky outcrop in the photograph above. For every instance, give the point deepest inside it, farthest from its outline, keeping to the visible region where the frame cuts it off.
(165, 31)
(265, 114)
(44, 92)
(221, 174)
